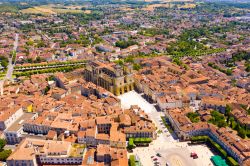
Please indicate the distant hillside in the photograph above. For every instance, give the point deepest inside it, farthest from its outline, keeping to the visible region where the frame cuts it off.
(232, 1)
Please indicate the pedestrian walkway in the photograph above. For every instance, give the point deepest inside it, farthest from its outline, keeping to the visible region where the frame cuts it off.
(172, 151)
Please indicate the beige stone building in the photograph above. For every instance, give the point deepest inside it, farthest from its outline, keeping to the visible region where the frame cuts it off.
(114, 78)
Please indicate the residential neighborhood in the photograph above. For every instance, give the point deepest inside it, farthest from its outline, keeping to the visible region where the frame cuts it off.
(125, 83)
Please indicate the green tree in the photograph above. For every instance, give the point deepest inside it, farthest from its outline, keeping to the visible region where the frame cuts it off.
(229, 72)
(2, 143)
(129, 59)
(30, 43)
(125, 44)
(242, 133)
(4, 61)
(222, 123)
(193, 116)
(38, 59)
(131, 144)
(41, 44)
(137, 66)
(4, 154)
(29, 60)
(119, 62)
(131, 160)
(228, 110)
(218, 119)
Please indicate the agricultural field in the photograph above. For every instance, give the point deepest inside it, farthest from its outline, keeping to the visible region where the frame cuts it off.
(8, 9)
(187, 6)
(153, 6)
(55, 9)
(168, 5)
(38, 10)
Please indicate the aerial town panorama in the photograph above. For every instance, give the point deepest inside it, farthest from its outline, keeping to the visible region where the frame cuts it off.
(125, 82)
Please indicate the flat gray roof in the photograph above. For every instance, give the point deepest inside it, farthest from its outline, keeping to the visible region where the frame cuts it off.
(19, 122)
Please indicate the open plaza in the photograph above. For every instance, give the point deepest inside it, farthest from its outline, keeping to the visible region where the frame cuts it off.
(172, 151)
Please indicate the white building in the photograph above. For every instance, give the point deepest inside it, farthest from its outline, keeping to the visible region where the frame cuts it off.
(14, 133)
(9, 115)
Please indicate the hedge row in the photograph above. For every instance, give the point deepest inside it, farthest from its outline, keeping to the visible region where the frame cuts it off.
(138, 141)
(142, 140)
(223, 153)
(167, 125)
(218, 147)
(199, 139)
(13, 57)
(50, 64)
(232, 162)
(61, 69)
(131, 160)
(131, 144)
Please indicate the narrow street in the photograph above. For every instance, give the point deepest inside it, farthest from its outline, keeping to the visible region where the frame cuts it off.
(10, 68)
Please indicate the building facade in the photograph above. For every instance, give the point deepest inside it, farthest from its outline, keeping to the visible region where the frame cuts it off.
(112, 77)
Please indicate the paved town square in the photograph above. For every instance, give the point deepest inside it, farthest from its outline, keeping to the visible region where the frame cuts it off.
(173, 152)
(125, 82)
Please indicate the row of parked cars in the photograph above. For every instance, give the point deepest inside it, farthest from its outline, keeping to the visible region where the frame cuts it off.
(155, 160)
